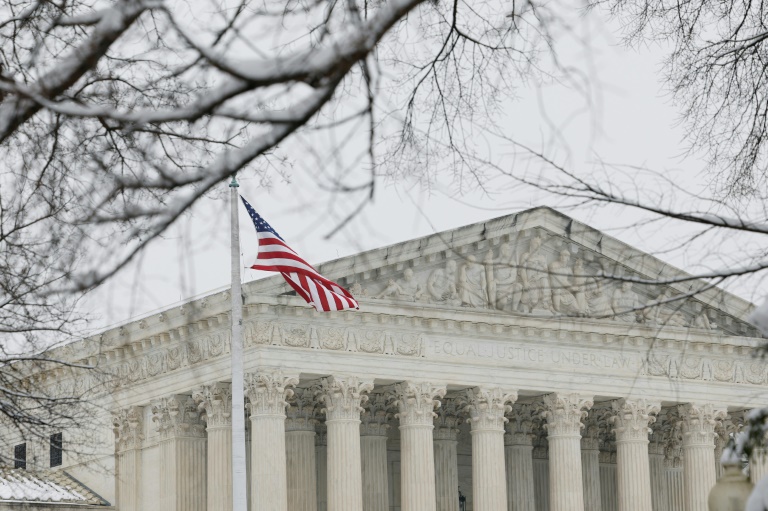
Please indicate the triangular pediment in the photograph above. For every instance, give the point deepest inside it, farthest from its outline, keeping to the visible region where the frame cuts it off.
(538, 262)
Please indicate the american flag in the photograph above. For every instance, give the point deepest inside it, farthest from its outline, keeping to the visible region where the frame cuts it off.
(275, 255)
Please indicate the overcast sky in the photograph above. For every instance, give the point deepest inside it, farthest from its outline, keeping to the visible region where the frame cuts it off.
(630, 121)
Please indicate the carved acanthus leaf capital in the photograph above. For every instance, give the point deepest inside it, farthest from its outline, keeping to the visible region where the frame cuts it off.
(215, 403)
(594, 427)
(487, 407)
(376, 415)
(564, 413)
(128, 425)
(268, 392)
(342, 397)
(448, 418)
(698, 423)
(177, 416)
(416, 402)
(300, 414)
(631, 419)
(521, 425)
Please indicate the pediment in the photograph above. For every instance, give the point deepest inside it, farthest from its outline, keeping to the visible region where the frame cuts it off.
(538, 262)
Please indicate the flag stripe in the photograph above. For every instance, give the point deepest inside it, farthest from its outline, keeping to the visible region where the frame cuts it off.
(275, 255)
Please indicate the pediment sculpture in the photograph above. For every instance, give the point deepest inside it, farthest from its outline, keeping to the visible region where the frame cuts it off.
(551, 277)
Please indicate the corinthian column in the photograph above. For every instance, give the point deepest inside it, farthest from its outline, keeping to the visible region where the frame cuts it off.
(564, 413)
(416, 403)
(631, 420)
(373, 445)
(446, 455)
(698, 426)
(489, 479)
(321, 456)
(659, 492)
(342, 397)
(215, 401)
(182, 454)
(518, 451)
(300, 452)
(267, 393)
(590, 459)
(128, 426)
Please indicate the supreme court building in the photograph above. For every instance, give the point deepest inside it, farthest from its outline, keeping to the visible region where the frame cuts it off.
(489, 368)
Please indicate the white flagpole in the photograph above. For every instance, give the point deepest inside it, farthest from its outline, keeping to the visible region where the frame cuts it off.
(239, 496)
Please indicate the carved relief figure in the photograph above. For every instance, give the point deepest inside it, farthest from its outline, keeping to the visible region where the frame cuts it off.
(598, 301)
(472, 286)
(580, 287)
(662, 314)
(406, 289)
(560, 285)
(533, 272)
(503, 288)
(441, 285)
(357, 290)
(623, 301)
(702, 321)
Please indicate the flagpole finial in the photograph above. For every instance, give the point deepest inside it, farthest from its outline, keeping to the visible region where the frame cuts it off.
(234, 183)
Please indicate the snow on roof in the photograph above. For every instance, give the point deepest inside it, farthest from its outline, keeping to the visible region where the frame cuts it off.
(19, 485)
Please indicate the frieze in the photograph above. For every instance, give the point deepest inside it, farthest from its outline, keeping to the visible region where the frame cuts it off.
(163, 353)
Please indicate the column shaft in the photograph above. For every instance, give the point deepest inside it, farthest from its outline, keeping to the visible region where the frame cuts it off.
(758, 465)
(128, 490)
(541, 483)
(302, 471)
(590, 466)
(609, 496)
(659, 492)
(446, 475)
(520, 485)
(321, 460)
(675, 489)
(374, 467)
(417, 468)
(269, 485)
(219, 469)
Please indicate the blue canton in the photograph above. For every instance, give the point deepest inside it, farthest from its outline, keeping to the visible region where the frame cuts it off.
(260, 224)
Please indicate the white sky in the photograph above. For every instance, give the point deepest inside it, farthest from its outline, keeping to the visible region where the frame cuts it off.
(631, 122)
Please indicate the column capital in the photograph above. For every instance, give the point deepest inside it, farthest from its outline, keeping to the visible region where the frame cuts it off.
(631, 419)
(128, 425)
(416, 402)
(595, 426)
(177, 416)
(698, 422)
(447, 420)
(487, 407)
(342, 397)
(300, 414)
(374, 421)
(564, 413)
(520, 426)
(215, 403)
(268, 392)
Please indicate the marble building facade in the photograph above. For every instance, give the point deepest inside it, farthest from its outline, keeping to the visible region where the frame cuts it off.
(496, 361)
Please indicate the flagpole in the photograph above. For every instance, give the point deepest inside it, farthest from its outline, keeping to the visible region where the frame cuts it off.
(239, 495)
